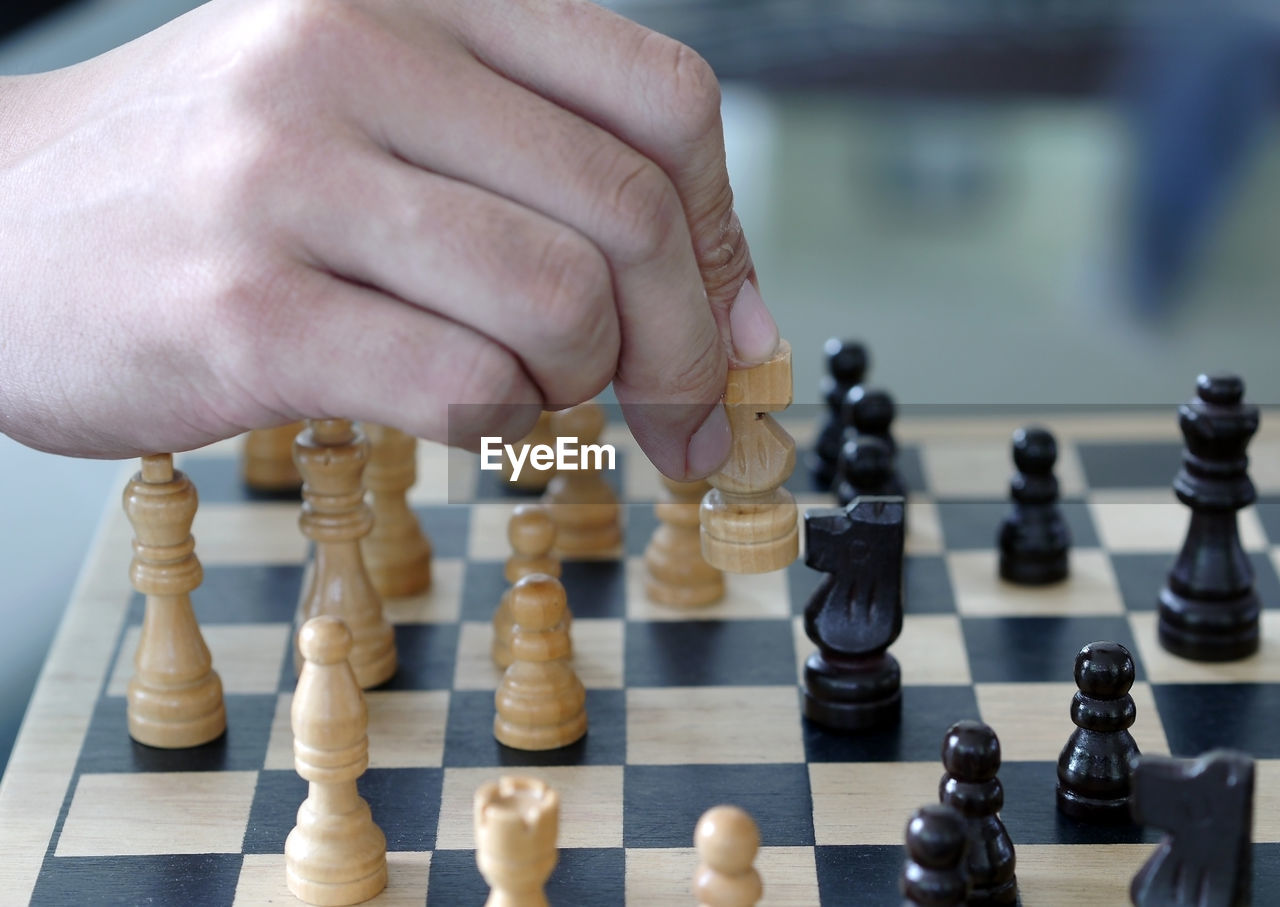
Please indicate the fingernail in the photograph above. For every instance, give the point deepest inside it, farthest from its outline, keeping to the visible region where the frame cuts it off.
(709, 446)
(754, 333)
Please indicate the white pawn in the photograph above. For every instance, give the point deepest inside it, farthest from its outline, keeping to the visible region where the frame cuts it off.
(727, 840)
(517, 821)
(584, 506)
(335, 855)
(532, 534)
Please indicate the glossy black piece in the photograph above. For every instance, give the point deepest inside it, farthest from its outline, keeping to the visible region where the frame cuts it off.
(934, 873)
(866, 468)
(847, 364)
(1206, 806)
(855, 614)
(1096, 765)
(869, 411)
(971, 757)
(1034, 538)
(1208, 607)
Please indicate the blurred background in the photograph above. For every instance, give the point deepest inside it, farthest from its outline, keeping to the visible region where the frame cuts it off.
(1009, 201)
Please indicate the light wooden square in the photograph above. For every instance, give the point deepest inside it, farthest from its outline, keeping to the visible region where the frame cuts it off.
(262, 881)
(924, 526)
(1266, 801)
(406, 729)
(1152, 520)
(664, 875)
(1264, 465)
(868, 802)
(1033, 720)
(713, 725)
(930, 650)
(158, 813)
(247, 657)
(597, 655)
(982, 467)
(1165, 667)
(488, 531)
(257, 533)
(435, 470)
(760, 595)
(1091, 587)
(1056, 875)
(590, 803)
(441, 604)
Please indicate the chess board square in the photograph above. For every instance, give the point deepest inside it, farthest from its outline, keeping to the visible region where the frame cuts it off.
(595, 588)
(436, 482)
(426, 654)
(469, 739)
(1038, 649)
(193, 880)
(1164, 667)
(663, 875)
(1135, 464)
(447, 526)
(240, 594)
(581, 876)
(218, 480)
(440, 604)
(487, 530)
(703, 652)
(262, 881)
(1031, 814)
(109, 748)
(1266, 801)
(927, 712)
(1069, 876)
(1268, 508)
(249, 534)
(590, 804)
(859, 874)
(706, 725)
(1142, 576)
(1090, 588)
(247, 657)
(970, 467)
(641, 522)
(759, 595)
(870, 802)
(924, 527)
(597, 655)
(1155, 521)
(482, 587)
(406, 729)
(1205, 716)
(925, 580)
(151, 813)
(663, 802)
(1033, 720)
(926, 650)
(973, 524)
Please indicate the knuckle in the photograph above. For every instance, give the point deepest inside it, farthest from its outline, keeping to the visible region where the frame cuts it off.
(723, 255)
(644, 207)
(572, 286)
(689, 89)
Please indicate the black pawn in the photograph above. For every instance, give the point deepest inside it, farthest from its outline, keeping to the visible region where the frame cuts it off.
(1097, 763)
(865, 468)
(1208, 609)
(1034, 538)
(971, 757)
(847, 364)
(934, 872)
(869, 411)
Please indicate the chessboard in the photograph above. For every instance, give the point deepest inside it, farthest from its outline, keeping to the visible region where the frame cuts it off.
(687, 708)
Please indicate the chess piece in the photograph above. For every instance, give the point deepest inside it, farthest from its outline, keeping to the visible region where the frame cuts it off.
(1034, 538)
(676, 573)
(971, 757)
(397, 554)
(865, 468)
(934, 873)
(532, 535)
(331, 455)
(540, 702)
(869, 412)
(847, 364)
(267, 466)
(855, 614)
(584, 507)
(531, 478)
(1206, 806)
(175, 696)
(1097, 761)
(726, 839)
(336, 854)
(517, 821)
(1208, 608)
(748, 519)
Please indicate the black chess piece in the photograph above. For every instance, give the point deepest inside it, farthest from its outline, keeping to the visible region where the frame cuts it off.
(934, 873)
(866, 468)
(1208, 608)
(971, 757)
(1097, 762)
(1206, 806)
(869, 411)
(1034, 538)
(847, 364)
(855, 614)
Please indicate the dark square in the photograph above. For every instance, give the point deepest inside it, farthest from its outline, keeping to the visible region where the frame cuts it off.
(1238, 716)
(662, 803)
(1139, 464)
(250, 594)
(274, 811)
(1037, 649)
(426, 654)
(109, 748)
(197, 880)
(218, 481)
(583, 875)
(969, 525)
(641, 522)
(1266, 873)
(595, 588)
(709, 653)
(1031, 814)
(1269, 515)
(448, 526)
(1142, 576)
(927, 712)
(483, 583)
(469, 739)
(859, 875)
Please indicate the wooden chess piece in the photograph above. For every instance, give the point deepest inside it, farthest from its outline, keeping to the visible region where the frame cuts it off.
(727, 840)
(336, 854)
(971, 757)
(1034, 539)
(532, 479)
(532, 534)
(540, 703)
(331, 455)
(397, 553)
(175, 696)
(748, 519)
(676, 572)
(584, 507)
(267, 466)
(934, 873)
(517, 821)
